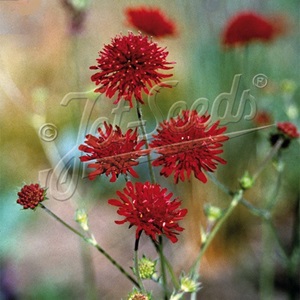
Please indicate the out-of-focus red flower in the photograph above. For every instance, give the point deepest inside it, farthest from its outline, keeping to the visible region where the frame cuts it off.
(187, 144)
(114, 152)
(149, 207)
(151, 21)
(248, 26)
(31, 195)
(129, 65)
(288, 129)
(263, 118)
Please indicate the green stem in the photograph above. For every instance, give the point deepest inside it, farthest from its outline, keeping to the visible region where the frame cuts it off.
(92, 242)
(267, 266)
(140, 117)
(264, 214)
(163, 268)
(270, 155)
(136, 265)
(171, 271)
(236, 199)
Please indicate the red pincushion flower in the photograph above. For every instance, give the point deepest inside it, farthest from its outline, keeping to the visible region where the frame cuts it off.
(249, 26)
(31, 195)
(151, 21)
(150, 208)
(115, 153)
(186, 144)
(130, 65)
(288, 129)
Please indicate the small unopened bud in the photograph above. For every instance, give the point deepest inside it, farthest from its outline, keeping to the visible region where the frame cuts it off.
(81, 218)
(146, 267)
(247, 181)
(213, 213)
(188, 285)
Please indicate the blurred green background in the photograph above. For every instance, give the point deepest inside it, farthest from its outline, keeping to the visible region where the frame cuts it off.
(43, 64)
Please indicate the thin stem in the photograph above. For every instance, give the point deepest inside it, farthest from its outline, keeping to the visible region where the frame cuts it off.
(270, 155)
(267, 266)
(278, 241)
(140, 117)
(136, 264)
(171, 271)
(264, 214)
(162, 267)
(92, 242)
(236, 199)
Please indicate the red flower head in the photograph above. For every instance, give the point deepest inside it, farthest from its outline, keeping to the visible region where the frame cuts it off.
(246, 27)
(150, 208)
(186, 144)
(31, 195)
(115, 153)
(151, 21)
(128, 66)
(288, 129)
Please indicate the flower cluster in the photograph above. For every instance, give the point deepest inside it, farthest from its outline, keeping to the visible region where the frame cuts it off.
(187, 144)
(150, 208)
(31, 195)
(151, 21)
(130, 65)
(114, 152)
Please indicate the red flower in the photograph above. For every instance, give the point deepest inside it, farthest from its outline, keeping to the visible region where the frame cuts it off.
(186, 144)
(263, 118)
(130, 65)
(115, 153)
(151, 21)
(288, 129)
(150, 208)
(246, 27)
(31, 195)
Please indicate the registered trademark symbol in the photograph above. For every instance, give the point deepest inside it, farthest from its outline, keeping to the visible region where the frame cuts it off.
(260, 81)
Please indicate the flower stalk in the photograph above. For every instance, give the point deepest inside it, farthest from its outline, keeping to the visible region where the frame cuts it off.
(92, 242)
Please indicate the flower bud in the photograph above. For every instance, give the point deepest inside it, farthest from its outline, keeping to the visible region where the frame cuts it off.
(213, 213)
(247, 181)
(81, 218)
(188, 285)
(146, 267)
